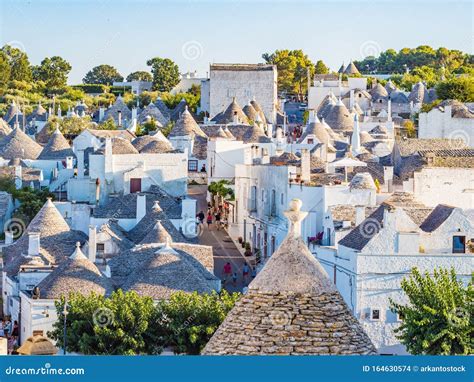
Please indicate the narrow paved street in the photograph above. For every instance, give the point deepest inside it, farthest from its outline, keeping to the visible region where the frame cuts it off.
(224, 248)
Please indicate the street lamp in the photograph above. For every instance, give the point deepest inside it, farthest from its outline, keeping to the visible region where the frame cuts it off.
(65, 312)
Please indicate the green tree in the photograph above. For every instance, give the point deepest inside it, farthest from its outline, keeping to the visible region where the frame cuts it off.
(97, 325)
(128, 324)
(461, 89)
(410, 128)
(69, 125)
(391, 61)
(139, 76)
(5, 72)
(102, 74)
(439, 316)
(293, 69)
(190, 319)
(53, 71)
(220, 189)
(321, 68)
(30, 200)
(165, 73)
(20, 69)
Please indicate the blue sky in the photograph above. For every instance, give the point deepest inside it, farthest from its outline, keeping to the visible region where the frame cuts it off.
(195, 33)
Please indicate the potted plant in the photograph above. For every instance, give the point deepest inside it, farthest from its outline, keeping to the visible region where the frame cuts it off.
(248, 250)
(240, 239)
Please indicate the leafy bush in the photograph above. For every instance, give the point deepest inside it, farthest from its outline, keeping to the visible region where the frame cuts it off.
(127, 324)
(439, 316)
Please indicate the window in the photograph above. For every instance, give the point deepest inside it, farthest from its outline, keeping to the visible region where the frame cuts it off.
(263, 195)
(310, 141)
(459, 244)
(282, 198)
(375, 314)
(192, 165)
(100, 247)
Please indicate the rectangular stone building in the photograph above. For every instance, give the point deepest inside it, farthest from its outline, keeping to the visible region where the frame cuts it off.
(244, 82)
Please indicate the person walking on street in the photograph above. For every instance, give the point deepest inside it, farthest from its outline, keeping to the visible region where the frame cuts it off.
(234, 279)
(209, 220)
(201, 217)
(218, 220)
(227, 272)
(254, 272)
(245, 273)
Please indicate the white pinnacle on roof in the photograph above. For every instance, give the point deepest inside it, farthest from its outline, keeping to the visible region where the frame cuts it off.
(355, 138)
(78, 254)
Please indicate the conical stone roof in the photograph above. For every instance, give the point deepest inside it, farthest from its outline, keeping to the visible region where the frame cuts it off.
(339, 118)
(228, 115)
(228, 133)
(255, 133)
(250, 112)
(12, 111)
(259, 110)
(163, 108)
(157, 147)
(176, 113)
(186, 125)
(5, 129)
(38, 114)
(419, 93)
(140, 142)
(152, 111)
(318, 130)
(351, 69)
(76, 274)
(57, 148)
(378, 92)
(157, 235)
(19, 145)
(113, 111)
(291, 308)
(57, 240)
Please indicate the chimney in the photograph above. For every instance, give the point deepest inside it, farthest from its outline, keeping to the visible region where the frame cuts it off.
(18, 176)
(269, 130)
(92, 243)
(33, 243)
(265, 156)
(389, 109)
(311, 116)
(8, 237)
(188, 213)
(388, 177)
(351, 99)
(305, 165)
(101, 113)
(108, 147)
(141, 207)
(119, 113)
(359, 214)
(134, 113)
(80, 163)
(69, 162)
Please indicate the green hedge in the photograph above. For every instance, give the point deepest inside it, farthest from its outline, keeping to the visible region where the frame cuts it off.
(120, 90)
(92, 88)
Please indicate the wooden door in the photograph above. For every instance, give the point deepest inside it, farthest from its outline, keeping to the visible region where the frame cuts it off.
(135, 185)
